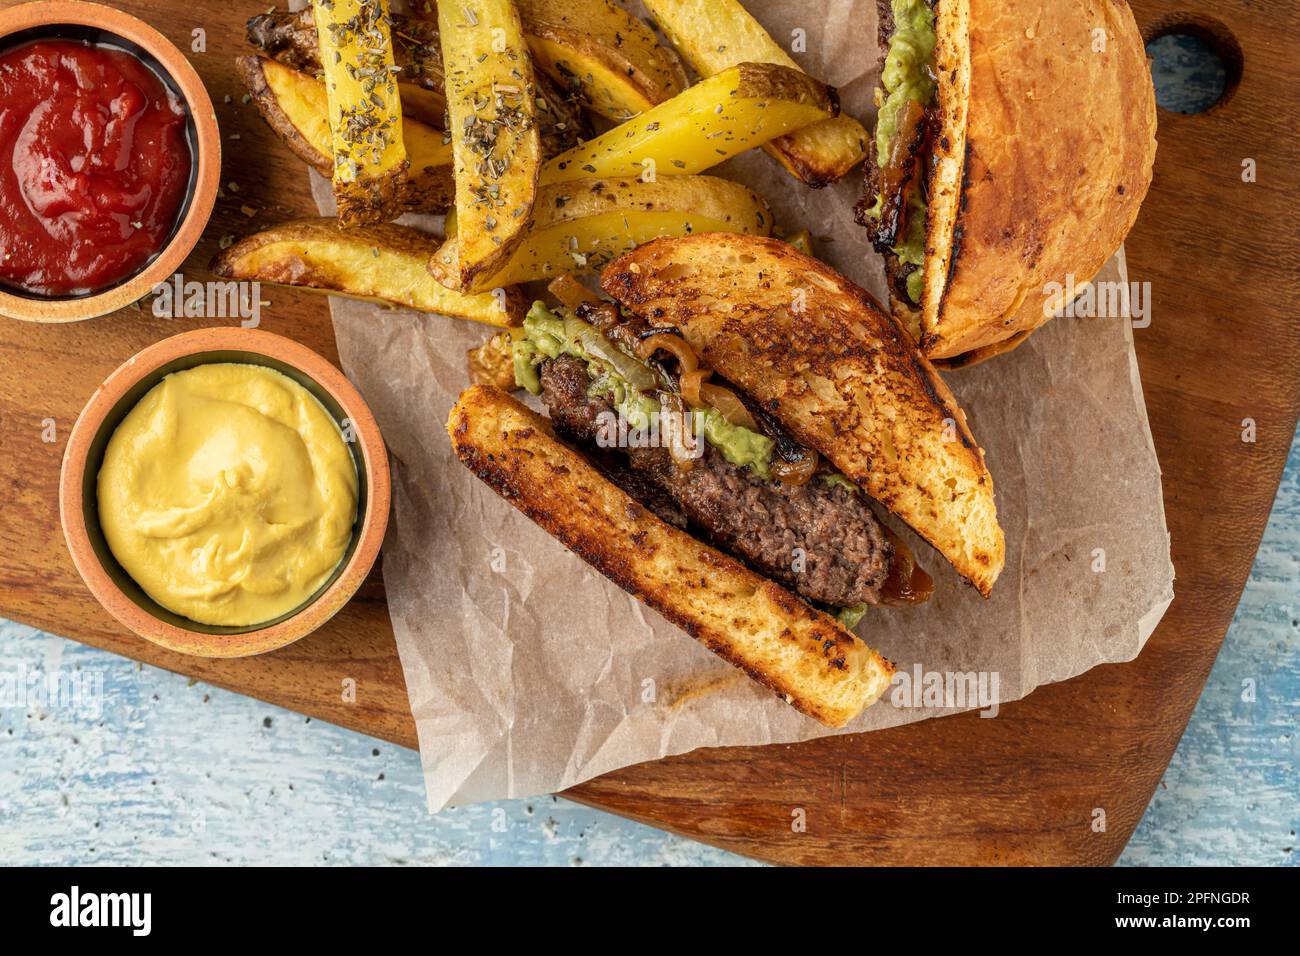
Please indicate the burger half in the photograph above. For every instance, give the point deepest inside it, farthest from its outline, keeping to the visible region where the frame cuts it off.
(1013, 147)
(797, 410)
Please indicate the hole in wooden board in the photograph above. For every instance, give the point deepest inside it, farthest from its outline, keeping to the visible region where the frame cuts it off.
(1196, 62)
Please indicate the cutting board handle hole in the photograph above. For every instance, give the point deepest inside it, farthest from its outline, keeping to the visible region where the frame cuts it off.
(1196, 62)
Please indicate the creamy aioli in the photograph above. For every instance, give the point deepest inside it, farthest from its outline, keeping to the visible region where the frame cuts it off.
(228, 494)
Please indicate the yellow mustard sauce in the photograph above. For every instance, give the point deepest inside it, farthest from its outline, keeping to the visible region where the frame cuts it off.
(228, 494)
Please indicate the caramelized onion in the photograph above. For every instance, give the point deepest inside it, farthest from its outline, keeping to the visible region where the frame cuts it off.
(674, 344)
(698, 392)
(908, 582)
(690, 387)
(897, 174)
(902, 152)
(796, 472)
(680, 447)
(728, 403)
(603, 315)
(637, 374)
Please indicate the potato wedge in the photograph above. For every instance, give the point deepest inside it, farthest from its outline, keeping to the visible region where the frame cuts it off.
(290, 38)
(365, 109)
(381, 263)
(295, 106)
(613, 59)
(493, 363)
(821, 153)
(738, 207)
(427, 106)
(713, 35)
(580, 225)
(737, 109)
(585, 246)
(497, 155)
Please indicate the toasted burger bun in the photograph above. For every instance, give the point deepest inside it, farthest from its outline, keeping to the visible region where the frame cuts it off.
(975, 356)
(841, 375)
(804, 655)
(1044, 156)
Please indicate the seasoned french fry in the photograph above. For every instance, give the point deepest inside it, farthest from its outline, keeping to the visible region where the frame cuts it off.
(365, 110)
(571, 292)
(580, 225)
(737, 109)
(611, 57)
(737, 207)
(290, 38)
(296, 107)
(495, 142)
(713, 35)
(384, 263)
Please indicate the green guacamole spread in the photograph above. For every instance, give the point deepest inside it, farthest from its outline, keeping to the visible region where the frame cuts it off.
(849, 616)
(904, 78)
(546, 335)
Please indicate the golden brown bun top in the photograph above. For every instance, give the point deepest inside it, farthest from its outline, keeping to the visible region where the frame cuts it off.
(1059, 145)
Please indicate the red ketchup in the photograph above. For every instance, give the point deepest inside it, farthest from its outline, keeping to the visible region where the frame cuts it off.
(94, 166)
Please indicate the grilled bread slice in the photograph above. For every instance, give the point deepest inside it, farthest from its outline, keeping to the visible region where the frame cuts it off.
(840, 374)
(804, 655)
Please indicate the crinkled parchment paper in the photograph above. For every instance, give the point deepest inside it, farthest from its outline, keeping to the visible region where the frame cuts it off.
(528, 672)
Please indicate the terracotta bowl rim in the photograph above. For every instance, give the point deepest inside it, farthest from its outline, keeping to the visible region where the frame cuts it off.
(371, 524)
(207, 146)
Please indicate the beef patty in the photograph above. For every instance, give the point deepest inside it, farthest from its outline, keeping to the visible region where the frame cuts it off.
(820, 540)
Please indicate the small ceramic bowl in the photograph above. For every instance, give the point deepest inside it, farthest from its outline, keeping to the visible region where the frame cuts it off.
(74, 20)
(79, 510)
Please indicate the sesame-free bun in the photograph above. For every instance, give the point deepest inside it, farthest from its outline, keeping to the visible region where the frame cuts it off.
(1043, 157)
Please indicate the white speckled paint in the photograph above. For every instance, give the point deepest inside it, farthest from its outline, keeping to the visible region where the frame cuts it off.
(173, 772)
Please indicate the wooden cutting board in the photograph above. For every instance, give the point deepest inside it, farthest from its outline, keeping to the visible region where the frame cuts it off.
(1223, 346)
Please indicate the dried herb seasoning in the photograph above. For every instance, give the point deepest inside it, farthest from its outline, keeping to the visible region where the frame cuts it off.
(369, 125)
